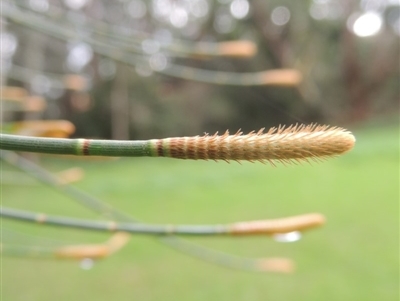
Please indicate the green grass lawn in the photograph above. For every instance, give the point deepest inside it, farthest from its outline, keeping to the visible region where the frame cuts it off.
(355, 256)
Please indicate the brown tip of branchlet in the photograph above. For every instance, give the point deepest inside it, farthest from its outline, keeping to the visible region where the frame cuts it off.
(281, 77)
(79, 252)
(237, 49)
(287, 145)
(35, 103)
(75, 82)
(117, 241)
(278, 226)
(278, 265)
(95, 251)
(13, 93)
(44, 128)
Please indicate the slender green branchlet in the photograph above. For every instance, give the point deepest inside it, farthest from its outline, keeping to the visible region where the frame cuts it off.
(277, 77)
(77, 252)
(100, 251)
(177, 243)
(286, 145)
(268, 227)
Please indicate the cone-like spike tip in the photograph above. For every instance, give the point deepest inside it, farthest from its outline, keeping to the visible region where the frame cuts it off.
(287, 145)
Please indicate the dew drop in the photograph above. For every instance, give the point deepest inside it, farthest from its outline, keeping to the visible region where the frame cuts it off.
(287, 237)
(86, 264)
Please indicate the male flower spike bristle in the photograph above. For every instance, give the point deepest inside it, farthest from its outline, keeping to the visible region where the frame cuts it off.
(287, 145)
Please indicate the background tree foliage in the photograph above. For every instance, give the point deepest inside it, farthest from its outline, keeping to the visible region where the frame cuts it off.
(346, 78)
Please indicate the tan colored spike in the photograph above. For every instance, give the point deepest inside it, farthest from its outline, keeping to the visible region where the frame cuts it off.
(287, 145)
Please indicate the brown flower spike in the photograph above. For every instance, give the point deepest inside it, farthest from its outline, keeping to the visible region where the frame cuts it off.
(287, 145)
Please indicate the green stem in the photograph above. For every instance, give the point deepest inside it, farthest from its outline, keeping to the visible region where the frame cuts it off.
(265, 227)
(105, 226)
(79, 147)
(23, 251)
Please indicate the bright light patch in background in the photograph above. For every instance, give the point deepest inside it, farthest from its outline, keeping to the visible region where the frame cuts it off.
(136, 9)
(39, 5)
(280, 15)
(373, 5)
(8, 45)
(179, 17)
(161, 8)
(240, 8)
(318, 11)
(224, 23)
(367, 24)
(79, 55)
(158, 62)
(76, 4)
(326, 9)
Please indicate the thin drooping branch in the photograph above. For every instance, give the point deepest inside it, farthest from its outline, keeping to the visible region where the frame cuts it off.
(275, 77)
(286, 145)
(133, 41)
(179, 244)
(75, 251)
(263, 227)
